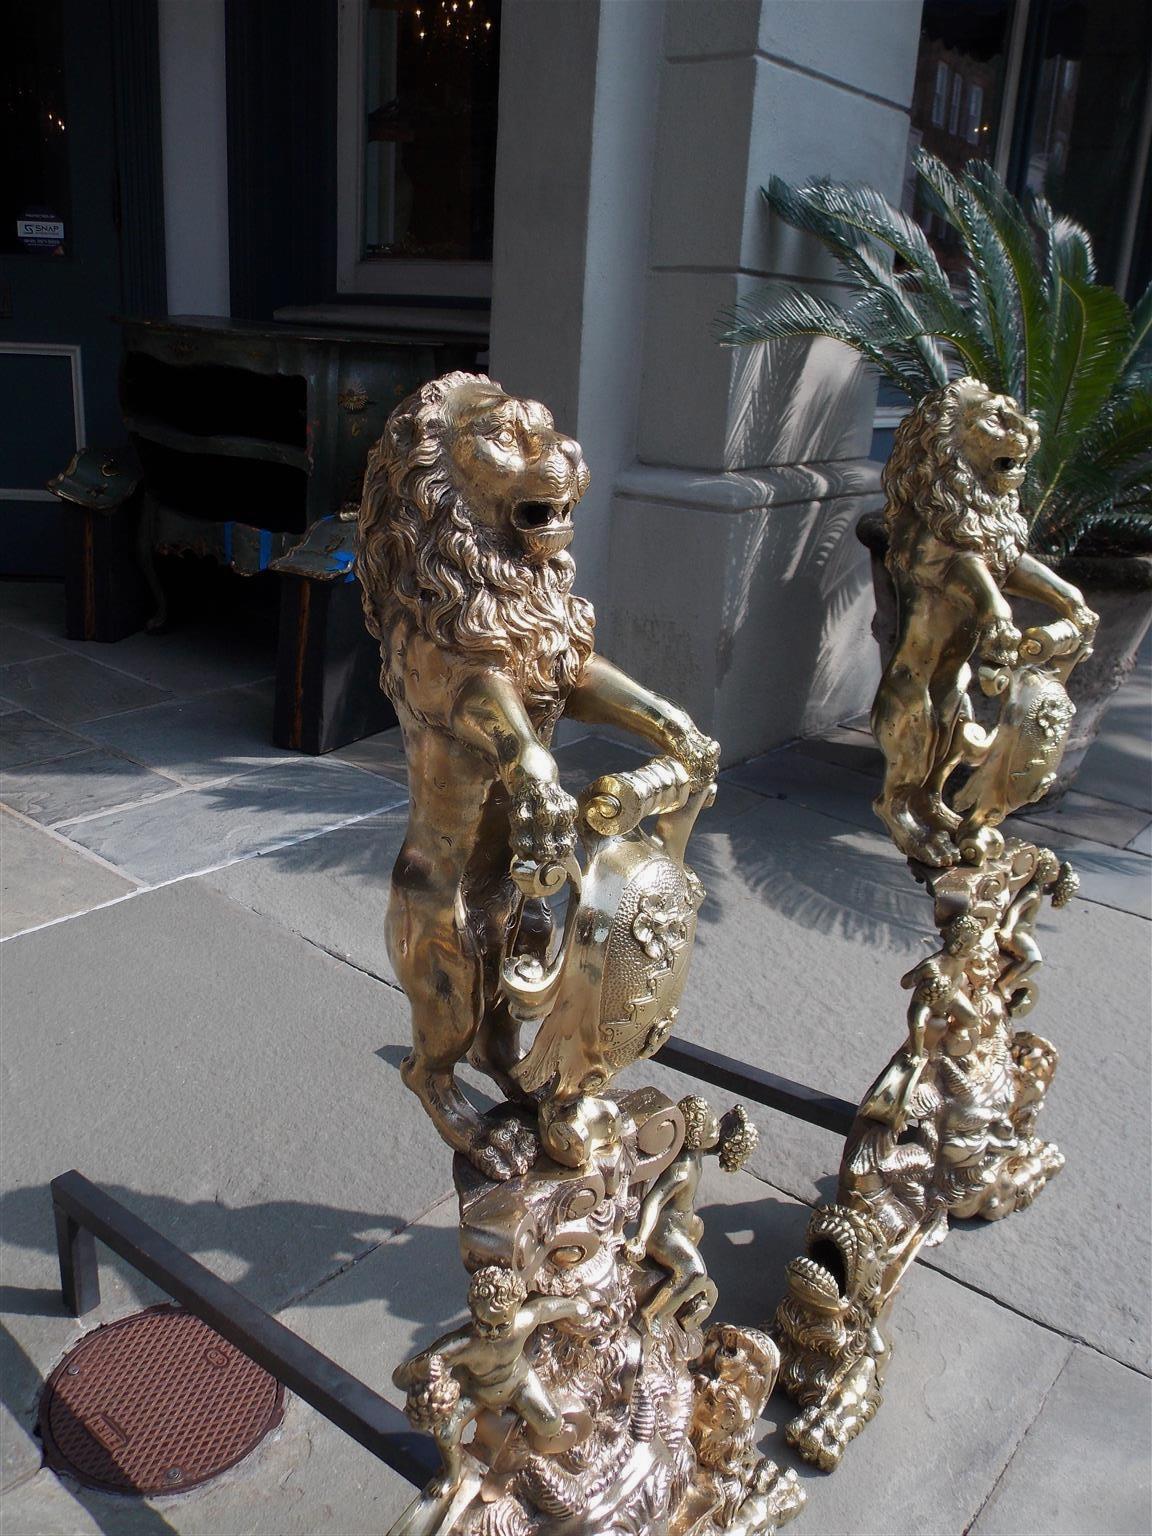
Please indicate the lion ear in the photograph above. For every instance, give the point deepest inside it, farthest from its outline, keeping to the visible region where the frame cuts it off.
(404, 434)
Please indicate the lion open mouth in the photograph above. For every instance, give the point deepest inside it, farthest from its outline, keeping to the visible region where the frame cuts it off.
(544, 526)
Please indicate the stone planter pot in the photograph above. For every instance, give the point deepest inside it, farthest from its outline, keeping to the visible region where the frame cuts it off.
(1117, 587)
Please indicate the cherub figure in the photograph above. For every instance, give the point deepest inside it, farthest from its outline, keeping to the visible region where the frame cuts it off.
(1016, 934)
(957, 545)
(669, 1228)
(484, 1365)
(940, 1003)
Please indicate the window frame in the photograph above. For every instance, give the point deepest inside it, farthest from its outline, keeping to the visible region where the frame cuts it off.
(357, 274)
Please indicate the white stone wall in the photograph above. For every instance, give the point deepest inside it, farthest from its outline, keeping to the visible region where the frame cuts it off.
(717, 537)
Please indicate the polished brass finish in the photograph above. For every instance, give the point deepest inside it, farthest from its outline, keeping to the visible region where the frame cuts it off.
(956, 551)
(575, 1370)
(949, 1127)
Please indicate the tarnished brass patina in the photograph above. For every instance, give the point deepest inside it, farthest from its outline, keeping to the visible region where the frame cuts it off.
(949, 1126)
(575, 1374)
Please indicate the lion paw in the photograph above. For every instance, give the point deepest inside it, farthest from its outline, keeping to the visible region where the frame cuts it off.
(999, 643)
(818, 1436)
(543, 822)
(697, 753)
(505, 1151)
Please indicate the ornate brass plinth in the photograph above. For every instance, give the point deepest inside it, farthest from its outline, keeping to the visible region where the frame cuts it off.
(949, 1127)
(586, 1393)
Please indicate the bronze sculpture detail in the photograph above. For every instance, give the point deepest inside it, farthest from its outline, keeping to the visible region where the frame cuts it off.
(576, 1369)
(957, 552)
(948, 1129)
(464, 527)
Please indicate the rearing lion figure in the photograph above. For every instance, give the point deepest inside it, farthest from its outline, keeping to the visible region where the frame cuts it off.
(462, 555)
(956, 544)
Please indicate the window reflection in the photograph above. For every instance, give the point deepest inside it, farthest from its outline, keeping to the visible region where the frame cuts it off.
(34, 212)
(1081, 146)
(957, 96)
(430, 128)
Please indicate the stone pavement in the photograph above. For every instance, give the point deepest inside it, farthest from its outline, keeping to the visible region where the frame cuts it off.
(199, 1014)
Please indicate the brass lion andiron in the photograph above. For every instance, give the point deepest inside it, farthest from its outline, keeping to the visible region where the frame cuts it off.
(596, 1398)
(949, 1127)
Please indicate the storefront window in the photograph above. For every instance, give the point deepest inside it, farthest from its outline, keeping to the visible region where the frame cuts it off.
(34, 211)
(956, 102)
(430, 92)
(1081, 145)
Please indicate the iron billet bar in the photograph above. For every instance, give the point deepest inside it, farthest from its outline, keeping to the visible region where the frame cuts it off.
(795, 1099)
(369, 1418)
(79, 1269)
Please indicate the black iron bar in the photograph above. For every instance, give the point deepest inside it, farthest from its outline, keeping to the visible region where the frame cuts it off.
(353, 1407)
(795, 1099)
(79, 1270)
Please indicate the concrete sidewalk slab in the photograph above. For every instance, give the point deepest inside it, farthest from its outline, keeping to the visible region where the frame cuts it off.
(42, 879)
(214, 736)
(1103, 1485)
(926, 1466)
(81, 784)
(25, 738)
(332, 889)
(233, 1085)
(1101, 821)
(204, 828)
(72, 689)
(18, 644)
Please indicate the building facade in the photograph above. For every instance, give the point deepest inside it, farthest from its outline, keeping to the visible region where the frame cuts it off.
(579, 179)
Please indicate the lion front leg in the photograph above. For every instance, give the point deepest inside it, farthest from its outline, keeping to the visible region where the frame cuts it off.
(824, 1429)
(908, 732)
(439, 963)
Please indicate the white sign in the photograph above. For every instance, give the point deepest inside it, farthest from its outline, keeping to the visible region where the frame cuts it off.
(48, 231)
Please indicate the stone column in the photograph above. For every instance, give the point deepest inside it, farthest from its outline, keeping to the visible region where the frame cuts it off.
(579, 89)
(735, 581)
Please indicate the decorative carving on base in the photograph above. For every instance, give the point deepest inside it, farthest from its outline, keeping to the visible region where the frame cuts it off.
(948, 1129)
(594, 1402)
(598, 1404)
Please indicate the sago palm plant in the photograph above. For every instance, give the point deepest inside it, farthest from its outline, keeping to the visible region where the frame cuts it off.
(1027, 317)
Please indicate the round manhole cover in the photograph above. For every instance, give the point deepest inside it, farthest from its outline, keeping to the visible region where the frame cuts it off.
(155, 1403)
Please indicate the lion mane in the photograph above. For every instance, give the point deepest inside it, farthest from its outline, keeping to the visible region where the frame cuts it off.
(420, 555)
(928, 480)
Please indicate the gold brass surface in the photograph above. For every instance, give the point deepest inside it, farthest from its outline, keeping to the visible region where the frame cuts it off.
(949, 1127)
(595, 1400)
(956, 552)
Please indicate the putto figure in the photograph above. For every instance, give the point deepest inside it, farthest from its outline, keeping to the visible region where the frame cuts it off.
(574, 1375)
(948, 1129)
(484, 1365)
(464, 528)
(957, 549)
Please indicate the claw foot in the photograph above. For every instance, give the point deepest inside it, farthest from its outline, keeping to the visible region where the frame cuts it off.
(504, 1152)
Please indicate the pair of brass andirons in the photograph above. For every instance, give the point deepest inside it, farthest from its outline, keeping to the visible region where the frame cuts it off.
(599, 1397)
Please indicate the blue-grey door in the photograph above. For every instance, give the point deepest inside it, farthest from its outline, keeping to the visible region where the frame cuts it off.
(80, 106)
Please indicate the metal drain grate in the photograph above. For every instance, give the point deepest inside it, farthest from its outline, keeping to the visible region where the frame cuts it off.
(155, 1403)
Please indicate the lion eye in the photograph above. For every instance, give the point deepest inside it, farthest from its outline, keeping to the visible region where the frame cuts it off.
(505, 438)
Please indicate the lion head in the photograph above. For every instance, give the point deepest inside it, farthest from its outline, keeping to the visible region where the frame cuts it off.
(464, 526)
(957, 464)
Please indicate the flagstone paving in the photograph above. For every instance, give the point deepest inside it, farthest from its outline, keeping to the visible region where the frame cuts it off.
(199, 1013)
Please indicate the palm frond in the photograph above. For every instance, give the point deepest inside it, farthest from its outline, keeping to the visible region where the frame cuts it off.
(1027, 317)
(790, 315)
(1091, 336)
(989, 263)
(1032, 298)
(1139, 359)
